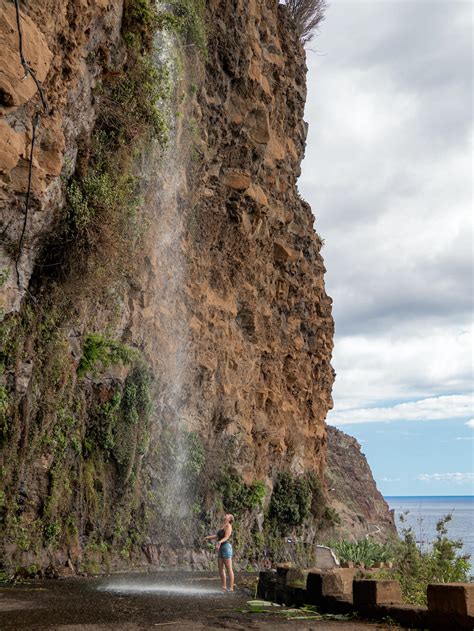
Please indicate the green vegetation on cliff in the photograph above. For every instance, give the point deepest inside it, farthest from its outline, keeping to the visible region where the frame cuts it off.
(291, 500)
(75, 401)
(295, 499)
(100, 351)
(187, 19)
(238, 497)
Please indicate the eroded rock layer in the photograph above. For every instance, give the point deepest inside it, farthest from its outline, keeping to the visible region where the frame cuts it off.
(59, 40)
(261, 321)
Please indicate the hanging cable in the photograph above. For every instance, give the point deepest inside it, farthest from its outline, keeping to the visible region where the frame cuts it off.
(26, 66)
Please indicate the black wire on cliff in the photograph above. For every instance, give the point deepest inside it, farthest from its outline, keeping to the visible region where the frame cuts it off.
(34, 123)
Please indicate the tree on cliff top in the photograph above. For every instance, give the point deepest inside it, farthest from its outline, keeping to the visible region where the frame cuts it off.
(307, 15)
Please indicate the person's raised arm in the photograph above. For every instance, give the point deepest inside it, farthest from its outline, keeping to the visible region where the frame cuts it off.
(209, 537)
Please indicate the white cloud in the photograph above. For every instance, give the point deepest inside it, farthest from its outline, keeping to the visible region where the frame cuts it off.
(410, 362)
(457, 478)
(434, 408)
(465, 438)
(470, 423)
(388, 174)
(389, 479)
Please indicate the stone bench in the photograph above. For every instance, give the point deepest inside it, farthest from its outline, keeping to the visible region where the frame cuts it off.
(267, 583)
(451, 598)
(335, 583)
(370, 592)
(450, 605)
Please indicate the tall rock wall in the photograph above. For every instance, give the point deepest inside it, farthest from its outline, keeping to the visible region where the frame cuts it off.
(261, 320)
(166, 335)
(60, 40)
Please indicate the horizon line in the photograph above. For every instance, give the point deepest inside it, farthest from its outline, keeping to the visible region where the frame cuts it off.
(386, 496)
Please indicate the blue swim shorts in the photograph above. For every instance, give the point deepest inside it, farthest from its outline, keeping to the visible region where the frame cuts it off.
(225, 550)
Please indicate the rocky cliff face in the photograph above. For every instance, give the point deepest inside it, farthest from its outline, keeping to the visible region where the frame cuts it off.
(257, 275)
(167, 336)
(59, 42)
(353, 492)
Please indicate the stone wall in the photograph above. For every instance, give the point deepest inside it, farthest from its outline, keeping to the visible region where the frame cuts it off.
(450, 605)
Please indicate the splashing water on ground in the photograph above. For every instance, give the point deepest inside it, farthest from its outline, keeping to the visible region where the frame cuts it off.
(169, 589)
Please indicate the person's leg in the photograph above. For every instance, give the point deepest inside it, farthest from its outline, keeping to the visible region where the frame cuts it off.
(220, 563)
(230, 571)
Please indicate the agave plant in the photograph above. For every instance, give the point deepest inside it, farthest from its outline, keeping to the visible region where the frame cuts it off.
(363, 552)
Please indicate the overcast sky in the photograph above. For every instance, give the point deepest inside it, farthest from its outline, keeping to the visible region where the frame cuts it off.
(388, 174)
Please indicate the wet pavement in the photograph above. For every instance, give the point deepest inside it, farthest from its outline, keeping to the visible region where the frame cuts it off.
(184, 601)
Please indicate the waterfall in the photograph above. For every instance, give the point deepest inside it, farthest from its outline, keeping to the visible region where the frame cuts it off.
(166, 192)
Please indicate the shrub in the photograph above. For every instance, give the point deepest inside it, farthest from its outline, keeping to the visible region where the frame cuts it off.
(331, 515)
(52, 533)
(136, 401)
(100, 352)
(131, 106)
(292, 498)
(140, 18)
(98, 194)
(187, 19)
(363, 552)
(104, 422)
(307, 15)
(119, 427)
(237, 496)
(195, 455)
(415, 569)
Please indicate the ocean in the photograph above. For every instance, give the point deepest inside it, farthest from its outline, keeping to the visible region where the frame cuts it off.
(425, 511)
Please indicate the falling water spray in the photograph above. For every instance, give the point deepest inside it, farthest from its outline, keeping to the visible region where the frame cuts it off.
(168, 190)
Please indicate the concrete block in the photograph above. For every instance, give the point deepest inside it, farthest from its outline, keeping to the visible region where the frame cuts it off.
(347, 576)
(314, 587)
(291, 596)
(279, 594)
(296, 577)
(266, 584)
(282, 573)
(368, 592)
(299, 596)
(453, 598)
(320, 585)
(332, 585)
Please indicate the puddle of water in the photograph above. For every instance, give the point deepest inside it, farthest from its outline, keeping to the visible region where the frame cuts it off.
(150, 588)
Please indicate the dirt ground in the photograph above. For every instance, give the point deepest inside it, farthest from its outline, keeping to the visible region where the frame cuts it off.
(185, 601)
